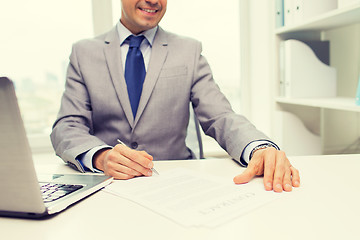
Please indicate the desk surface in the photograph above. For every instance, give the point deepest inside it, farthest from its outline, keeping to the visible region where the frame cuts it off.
(326, 206)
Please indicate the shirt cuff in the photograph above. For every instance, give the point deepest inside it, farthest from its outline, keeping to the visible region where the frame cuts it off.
(86, 159)
(245, 157)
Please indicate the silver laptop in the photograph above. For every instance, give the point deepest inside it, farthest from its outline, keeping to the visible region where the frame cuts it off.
(22, 194)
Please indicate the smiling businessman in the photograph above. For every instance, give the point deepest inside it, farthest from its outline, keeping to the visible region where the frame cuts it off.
(135, 83)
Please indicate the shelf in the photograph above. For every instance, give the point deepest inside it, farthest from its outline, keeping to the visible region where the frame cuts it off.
(330, 20)
(338, 103)
(334, 120)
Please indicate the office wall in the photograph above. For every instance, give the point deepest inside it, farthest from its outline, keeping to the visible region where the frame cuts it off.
(102, 16)
(342, 128)
(260, 99)
(217, 26)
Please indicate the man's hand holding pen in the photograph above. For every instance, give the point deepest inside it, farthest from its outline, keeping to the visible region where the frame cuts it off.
(122, 162)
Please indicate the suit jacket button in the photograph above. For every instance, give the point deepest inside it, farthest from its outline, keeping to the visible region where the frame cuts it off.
(134, 145)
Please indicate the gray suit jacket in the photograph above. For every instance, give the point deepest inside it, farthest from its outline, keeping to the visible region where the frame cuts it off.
(95, 108)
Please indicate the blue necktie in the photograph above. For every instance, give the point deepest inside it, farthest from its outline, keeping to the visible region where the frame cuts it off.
(134, 72)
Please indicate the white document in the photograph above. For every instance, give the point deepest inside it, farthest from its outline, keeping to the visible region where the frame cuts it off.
(192, 200)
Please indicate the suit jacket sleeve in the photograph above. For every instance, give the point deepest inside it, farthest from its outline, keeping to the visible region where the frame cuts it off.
(72, 131)
(232, 131)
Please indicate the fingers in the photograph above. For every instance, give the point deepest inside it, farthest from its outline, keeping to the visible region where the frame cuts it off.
(246, 176)
(125, 163)
(119, 171)
(277, 171)
(134, 157)
(287, 185)
(279, 174)
(255, 167)
(285, 176)
(269, 168)
(291, 178)
(145, 154)
(295, 177)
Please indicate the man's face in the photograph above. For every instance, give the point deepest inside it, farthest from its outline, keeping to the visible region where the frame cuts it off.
(141, 15)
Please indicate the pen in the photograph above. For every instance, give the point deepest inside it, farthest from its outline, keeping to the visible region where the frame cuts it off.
(152, 169)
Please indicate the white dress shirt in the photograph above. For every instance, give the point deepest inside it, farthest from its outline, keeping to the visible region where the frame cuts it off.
(145, 47)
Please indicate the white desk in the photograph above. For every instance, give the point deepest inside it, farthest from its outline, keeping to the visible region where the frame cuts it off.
(326, 206)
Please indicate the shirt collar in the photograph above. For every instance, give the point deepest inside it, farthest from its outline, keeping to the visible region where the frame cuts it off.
(124, 33)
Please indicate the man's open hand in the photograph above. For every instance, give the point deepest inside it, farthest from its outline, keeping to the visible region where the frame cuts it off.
(278, 173)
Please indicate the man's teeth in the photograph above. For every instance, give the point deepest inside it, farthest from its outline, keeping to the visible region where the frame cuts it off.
(149, 10)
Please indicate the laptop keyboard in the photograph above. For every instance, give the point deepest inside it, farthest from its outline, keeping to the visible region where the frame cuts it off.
(54, 191)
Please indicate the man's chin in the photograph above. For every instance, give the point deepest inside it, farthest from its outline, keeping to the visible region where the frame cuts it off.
(146, 25)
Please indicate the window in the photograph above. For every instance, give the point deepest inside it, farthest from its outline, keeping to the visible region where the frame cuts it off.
(35, 46)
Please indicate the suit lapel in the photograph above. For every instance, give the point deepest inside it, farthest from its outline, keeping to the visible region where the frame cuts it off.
(157, 59)
(113, 60)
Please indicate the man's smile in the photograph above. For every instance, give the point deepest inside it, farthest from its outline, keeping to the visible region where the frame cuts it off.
(148, 10)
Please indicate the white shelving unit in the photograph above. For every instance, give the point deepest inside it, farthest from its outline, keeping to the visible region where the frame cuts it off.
(335, 120)
(330, 20)
(338, 103)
